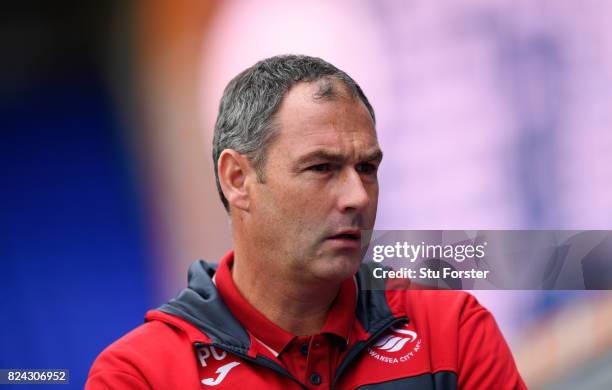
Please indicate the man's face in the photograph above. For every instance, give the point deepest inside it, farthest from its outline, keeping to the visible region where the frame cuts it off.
(320, 185)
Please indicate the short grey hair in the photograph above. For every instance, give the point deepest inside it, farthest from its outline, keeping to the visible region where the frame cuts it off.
(245, 122)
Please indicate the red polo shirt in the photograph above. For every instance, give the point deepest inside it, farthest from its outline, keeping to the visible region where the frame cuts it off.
(310, 359)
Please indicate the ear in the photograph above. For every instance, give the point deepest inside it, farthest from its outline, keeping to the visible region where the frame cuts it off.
(234, 169)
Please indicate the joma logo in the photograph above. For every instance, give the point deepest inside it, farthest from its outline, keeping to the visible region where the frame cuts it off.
(205, 353)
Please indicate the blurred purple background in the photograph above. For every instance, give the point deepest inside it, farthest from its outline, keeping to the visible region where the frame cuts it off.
(491, 114)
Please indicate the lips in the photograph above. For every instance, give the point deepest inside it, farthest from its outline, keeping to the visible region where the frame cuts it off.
(345, 240)
(349, 234)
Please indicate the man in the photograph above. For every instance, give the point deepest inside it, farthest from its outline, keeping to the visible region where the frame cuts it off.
(296, 158)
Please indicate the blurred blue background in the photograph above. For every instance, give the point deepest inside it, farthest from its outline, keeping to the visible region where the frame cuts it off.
(492, 115)
(73, 246)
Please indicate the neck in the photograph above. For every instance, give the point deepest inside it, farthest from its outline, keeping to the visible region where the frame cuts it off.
(297, 306)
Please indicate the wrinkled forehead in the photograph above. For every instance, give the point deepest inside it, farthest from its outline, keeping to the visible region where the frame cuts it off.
(317, 115)
(324, 90)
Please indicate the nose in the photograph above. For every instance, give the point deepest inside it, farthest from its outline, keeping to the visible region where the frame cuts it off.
(353, 194)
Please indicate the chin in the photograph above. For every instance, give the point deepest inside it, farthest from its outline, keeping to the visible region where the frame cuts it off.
(337, 268)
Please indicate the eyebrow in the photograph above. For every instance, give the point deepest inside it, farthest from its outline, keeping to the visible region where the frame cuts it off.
(329, 155)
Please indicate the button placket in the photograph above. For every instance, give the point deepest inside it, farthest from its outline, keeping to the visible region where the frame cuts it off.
(318, 361)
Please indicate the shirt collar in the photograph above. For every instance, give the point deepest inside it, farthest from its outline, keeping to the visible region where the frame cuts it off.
(339, 321)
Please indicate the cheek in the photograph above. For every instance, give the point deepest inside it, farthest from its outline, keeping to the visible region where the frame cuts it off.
(300, 214)
(374, 196)
(373, 205)
(301, 210)
(278, 207)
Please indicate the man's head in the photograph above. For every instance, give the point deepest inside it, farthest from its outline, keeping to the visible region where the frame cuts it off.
(296, 159)
(245, 122)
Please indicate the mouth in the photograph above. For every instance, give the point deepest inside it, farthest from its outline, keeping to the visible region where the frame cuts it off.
(351, 235)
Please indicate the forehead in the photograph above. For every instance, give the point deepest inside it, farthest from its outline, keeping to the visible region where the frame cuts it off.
(304, 120)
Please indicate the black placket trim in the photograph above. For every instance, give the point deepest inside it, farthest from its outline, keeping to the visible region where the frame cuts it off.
(361, 345)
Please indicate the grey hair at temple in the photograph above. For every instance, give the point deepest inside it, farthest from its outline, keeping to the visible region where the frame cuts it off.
(245, 122)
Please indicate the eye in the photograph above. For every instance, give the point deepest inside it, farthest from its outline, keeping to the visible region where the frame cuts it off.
(320, 167)
(366, 168)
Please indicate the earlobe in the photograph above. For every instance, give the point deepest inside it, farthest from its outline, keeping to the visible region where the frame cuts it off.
(233, 169)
